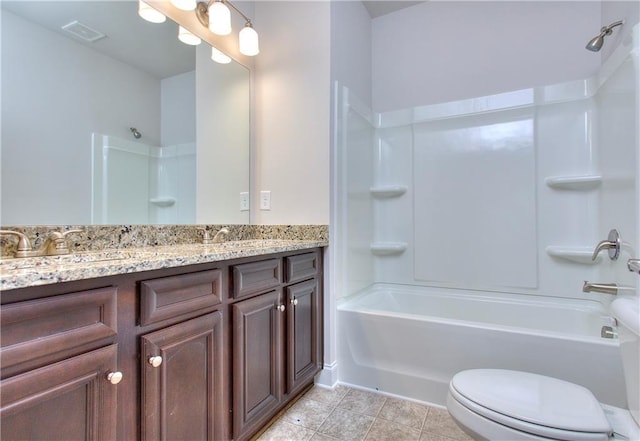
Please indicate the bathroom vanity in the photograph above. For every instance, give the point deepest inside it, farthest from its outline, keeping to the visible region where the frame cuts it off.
(158, 347)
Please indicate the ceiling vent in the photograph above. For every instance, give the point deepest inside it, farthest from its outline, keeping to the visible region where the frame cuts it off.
(83, 32)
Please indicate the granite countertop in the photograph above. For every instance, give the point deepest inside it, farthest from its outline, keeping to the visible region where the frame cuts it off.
(35, 271)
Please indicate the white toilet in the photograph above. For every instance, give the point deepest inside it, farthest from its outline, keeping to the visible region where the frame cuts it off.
(503, 405)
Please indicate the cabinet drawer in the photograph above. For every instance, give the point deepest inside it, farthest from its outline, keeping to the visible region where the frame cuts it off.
(301, 267)
(169, 297)
(255, 277)
(38, 332)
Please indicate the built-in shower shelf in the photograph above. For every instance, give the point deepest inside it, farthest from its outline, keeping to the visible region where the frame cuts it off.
(388, 191)
(388, 248)
(163, 202)
(573, 254)
(577, 183)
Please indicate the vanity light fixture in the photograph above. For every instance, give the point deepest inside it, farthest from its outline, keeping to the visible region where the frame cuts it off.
(248, 37)
(219, 57)
(150, 14)
(185, 5)
(219, 18)
(216, 16)
(185, 36)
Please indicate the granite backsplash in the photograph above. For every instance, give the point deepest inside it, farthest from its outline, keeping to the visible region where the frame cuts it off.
(102, 237)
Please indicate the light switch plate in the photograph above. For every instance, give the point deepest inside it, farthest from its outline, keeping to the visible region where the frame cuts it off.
(244, 201)
(265, 200)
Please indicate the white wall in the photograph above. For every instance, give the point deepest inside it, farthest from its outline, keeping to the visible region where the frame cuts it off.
(292, 108)
(222, 139)
(37, 83)
(178, 109)
(351, 48)
(612, 11)
(443, 51)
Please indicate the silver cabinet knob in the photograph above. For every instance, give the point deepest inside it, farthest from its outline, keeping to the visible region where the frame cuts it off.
(280, 308)
(294, 301)
(114, 377)
(155, 361)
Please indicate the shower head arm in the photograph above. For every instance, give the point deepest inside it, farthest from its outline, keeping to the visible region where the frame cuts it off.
(607, 30)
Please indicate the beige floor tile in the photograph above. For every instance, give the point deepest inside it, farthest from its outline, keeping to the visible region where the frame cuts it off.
(406, 413)
(439, 422)
(325, 395)
(321, 437)
(359, 401)
(346, 426)
(383, 430)
(308, 413)
(432, 437)
(284, 431)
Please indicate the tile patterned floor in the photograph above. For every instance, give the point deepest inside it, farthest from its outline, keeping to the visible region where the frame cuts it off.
(348, 414)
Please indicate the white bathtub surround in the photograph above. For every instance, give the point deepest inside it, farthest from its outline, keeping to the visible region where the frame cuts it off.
(505, 193)
(410, 341)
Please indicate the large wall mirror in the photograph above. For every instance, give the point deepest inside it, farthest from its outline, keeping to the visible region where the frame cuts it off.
(115, 121)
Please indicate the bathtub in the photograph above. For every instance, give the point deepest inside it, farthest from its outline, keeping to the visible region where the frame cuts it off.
(410, 341)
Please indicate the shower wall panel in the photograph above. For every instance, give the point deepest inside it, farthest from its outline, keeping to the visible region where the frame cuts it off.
(474, 181)
(355, 232)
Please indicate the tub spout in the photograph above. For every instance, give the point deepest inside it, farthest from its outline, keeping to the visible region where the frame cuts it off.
(605, 288)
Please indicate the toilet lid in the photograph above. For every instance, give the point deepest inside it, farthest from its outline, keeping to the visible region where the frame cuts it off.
(532, 398)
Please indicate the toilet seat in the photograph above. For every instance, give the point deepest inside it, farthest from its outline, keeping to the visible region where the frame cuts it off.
(533, 404)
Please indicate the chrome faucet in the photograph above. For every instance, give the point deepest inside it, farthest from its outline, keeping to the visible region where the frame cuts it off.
(217, 238)
(605, 288)
(222, 233)
(612, 244)
(24, 248)
(54, 245)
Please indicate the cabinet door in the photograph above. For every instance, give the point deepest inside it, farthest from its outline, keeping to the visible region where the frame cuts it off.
(257, 361)
(304, 334)
(184, 394)
(69, 400)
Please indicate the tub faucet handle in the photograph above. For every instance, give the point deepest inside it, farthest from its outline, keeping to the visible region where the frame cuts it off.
(634, 265)
(612, 244)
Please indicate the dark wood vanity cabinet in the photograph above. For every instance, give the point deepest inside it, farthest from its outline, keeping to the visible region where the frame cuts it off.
(59, 367)
(277, 338)
(182, 381)
(205, 352)
(184, 392)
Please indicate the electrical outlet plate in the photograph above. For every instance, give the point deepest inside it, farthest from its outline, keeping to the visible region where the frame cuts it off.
(265, 200)
(244, 201)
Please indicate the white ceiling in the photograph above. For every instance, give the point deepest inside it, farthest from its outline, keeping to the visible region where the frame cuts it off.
(383, 7)
(152, 48)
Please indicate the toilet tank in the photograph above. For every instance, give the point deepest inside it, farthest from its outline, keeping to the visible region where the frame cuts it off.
(627, 313)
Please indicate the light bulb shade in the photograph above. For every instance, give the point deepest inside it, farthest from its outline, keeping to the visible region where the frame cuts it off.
(219, 57)
(219, 18)
(185, 5)
(185, 36)
(148, 13)
(249, 44)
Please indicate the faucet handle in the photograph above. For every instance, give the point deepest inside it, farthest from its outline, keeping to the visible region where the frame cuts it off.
(206, 238)
(634, 265)
(56, 243)
(612, 244)
(24, 248)
(69, 232)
